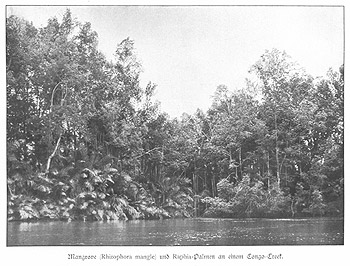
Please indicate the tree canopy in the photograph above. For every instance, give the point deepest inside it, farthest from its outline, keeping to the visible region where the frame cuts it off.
(86, 141)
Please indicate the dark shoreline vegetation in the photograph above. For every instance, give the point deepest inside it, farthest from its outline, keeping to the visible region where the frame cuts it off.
(86, 142)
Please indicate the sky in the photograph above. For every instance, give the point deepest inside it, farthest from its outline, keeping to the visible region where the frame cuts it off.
(189, 50)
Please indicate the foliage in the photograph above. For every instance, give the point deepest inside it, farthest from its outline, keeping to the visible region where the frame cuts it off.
(86, 141)
(246, 199)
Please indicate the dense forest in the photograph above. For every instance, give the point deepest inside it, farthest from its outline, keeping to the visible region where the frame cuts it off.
(86, 141)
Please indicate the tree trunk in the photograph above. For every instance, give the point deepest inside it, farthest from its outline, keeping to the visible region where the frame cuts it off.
(59, 138)
(277, 151)
(195, 206)
(300, 171)
(240, 161)
(52, 155)
(213, 189)
(268, 171)
(292, 207)
(205, 177)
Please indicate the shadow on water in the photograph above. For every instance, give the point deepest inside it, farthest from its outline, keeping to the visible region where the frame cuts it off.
(202, 231)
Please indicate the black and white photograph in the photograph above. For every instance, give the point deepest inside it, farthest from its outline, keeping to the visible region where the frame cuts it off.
(174, 126)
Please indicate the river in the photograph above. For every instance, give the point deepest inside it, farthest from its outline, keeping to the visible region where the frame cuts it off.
(201, 231)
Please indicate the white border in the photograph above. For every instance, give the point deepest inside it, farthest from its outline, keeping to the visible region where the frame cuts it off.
(293, 255)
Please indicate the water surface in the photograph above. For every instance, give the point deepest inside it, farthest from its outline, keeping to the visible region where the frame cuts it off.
(225, 232)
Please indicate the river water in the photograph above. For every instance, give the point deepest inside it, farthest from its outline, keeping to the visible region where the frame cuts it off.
(224, 232)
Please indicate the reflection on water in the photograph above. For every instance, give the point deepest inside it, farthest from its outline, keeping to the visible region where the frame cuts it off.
(227, 232)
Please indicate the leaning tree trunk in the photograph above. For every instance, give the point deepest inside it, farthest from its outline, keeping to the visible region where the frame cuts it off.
(52, 155)
(48, 164)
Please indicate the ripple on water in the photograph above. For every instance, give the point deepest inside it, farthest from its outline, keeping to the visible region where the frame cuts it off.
(182, 232)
